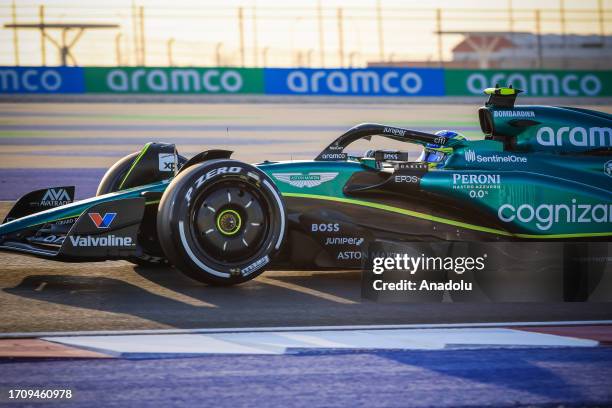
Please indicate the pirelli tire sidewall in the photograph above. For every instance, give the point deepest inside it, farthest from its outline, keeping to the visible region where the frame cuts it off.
(176, 224)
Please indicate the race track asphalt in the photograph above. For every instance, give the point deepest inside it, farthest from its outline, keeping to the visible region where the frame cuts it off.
(550, 377)
(59, 144)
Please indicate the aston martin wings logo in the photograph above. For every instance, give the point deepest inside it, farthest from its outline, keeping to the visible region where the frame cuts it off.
(301, 180)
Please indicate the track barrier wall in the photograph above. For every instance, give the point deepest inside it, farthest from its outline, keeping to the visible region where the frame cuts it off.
(382, 82)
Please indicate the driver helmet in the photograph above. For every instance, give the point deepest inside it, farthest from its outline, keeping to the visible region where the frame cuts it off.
(435, 154)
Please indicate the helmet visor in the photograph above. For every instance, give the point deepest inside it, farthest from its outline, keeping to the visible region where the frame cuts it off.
(432, 156)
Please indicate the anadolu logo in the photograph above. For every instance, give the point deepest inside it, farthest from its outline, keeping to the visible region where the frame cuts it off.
(102, 222)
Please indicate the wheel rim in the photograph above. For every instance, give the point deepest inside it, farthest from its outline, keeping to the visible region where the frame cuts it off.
(229, 222)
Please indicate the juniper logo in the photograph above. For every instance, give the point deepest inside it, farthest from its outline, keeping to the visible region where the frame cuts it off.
(55, 197)
(470, 156)
(301, 180)
(394, 131)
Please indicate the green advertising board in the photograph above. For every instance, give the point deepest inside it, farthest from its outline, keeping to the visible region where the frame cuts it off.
(174, 80)
(533, 82)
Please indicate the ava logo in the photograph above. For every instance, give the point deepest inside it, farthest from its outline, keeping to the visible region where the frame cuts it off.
(577, 136)
(608, 168)
(102, 222)
(301, 180)
(470, 156)
(55, 197)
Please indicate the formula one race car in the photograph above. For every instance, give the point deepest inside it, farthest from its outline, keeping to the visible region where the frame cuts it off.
(541, 173)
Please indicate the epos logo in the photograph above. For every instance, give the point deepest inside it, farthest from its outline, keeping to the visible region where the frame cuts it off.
(102, 222)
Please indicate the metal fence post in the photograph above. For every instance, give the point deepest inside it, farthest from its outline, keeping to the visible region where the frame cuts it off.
(538, 38)
(340, 38)
(439, 30)
(43, 50)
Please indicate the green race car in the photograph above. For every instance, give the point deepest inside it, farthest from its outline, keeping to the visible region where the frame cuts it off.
(542, 173)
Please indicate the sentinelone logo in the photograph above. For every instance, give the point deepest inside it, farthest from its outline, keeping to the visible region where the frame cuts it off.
(357, 82)
(471, 156)
(544, 84)
(174, 80)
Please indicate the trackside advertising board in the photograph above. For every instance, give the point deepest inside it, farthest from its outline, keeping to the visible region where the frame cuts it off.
(41, 80)
(533, 82)
(300, 81)
(355, 82)
(174, 80)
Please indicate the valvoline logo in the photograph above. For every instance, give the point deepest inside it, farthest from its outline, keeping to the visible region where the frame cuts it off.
(102, 221)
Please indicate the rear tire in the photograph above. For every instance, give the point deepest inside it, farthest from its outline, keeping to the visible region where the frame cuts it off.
(221, 222)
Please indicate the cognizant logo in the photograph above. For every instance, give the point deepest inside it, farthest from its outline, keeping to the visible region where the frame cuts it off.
(546, 215)
(359, 82)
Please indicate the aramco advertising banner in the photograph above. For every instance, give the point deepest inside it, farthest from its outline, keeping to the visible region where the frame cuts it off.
(355, 82)
(534, 82)
(20, 80)
(170, 80)
(401, 82)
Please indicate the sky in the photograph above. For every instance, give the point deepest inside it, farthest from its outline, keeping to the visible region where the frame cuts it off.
(279, 33)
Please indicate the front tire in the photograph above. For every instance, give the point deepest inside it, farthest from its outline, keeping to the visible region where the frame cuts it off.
(221, 222)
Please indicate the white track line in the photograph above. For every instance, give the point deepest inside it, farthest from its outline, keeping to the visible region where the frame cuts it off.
(304, 328)
(323, 340)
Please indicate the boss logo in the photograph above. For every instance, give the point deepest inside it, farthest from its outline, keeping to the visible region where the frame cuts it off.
(325, 228)
(391, 156)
